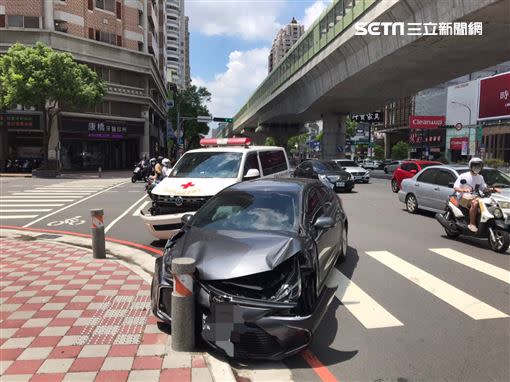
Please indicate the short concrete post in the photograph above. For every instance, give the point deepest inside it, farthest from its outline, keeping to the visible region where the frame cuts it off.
(183, 305)
(100, 171)
(97, 228)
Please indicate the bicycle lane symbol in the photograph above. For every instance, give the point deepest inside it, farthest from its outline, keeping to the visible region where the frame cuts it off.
(76, 220)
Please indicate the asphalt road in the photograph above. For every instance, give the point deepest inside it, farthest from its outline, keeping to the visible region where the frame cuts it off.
(402, 311)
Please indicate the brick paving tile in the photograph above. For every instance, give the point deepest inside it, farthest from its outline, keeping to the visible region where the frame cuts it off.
(67, 317)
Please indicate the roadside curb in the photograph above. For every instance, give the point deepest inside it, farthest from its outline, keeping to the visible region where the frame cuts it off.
(138, 261)
(8, 175)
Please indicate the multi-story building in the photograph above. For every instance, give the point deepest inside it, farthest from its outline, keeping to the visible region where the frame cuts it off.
(178, 54)
(285, 38)
(187, 70)
(123, 41)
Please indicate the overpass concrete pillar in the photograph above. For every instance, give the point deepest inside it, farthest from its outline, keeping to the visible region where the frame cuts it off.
(333, 139)
(387, 146)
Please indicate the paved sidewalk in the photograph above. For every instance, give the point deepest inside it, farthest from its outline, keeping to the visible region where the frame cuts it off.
(67, 317)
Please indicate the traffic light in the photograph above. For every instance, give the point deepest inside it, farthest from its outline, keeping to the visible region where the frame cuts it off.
(218, 119)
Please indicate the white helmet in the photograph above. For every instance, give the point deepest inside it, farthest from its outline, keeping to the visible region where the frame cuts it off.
(165, 162)
(476, 165)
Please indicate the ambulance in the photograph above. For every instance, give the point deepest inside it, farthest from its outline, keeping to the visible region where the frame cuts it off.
(202, 173)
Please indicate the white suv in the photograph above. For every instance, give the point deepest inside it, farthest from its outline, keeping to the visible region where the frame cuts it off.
(202, 173)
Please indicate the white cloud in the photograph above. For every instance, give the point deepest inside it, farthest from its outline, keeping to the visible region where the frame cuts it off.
(314, 11)
(247, 20)
(231, 89)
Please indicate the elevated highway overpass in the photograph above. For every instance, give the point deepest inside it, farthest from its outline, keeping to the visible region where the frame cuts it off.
(331, 71)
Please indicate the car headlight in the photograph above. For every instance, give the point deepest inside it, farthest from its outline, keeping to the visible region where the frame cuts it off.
(333, 178)
(325, 180)
(504, 205)
(290, 290)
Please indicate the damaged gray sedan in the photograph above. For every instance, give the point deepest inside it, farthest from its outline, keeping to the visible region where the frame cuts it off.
(263, 252)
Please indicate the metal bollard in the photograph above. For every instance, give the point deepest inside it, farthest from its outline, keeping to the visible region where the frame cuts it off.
(100, 171)
(97, 228)
(183, 305)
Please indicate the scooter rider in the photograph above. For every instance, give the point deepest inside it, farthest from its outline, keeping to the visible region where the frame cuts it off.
(473, 179)
(167, 169)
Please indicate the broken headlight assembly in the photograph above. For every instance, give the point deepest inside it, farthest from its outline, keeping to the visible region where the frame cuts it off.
(282, 284)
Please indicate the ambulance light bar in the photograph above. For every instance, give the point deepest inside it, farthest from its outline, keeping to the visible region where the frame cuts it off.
(225, 142)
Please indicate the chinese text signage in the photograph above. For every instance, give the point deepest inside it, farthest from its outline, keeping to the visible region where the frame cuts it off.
(495, 97)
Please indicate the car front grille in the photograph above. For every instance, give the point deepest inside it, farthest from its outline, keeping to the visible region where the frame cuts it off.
(165, 204)
(358, 173)
(254, 342)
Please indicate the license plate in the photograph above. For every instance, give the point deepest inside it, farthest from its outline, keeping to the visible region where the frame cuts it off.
(358, 177)
(340, 184)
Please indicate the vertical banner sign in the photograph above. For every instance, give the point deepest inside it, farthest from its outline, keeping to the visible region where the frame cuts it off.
(464, 150)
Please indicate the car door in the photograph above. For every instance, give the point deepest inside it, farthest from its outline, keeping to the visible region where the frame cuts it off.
(424, 186)
(313, 210)
(443, 189)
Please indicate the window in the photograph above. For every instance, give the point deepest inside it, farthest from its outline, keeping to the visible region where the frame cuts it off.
(429, 176)
(208, 165)
(444, 178)
(107, 5)
(90, 5)
(272, 161)
(140, 17)
(313, 206)
(412, 166)
(91, 33)
(118, 10)
(15, 21)
(140, 46)
(251, 162)
(119, 40)
(2, 21)
(109, 38)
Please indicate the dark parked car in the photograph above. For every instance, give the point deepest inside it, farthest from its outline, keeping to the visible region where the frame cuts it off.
(263, 251)
(327, 172)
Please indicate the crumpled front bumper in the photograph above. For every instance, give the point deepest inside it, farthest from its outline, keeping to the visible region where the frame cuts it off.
(163, 226)
(243, 328)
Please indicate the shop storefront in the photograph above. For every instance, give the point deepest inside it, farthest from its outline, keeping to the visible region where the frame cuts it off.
(428, 143)
(460, 143)
(87, 143)
(22, 132)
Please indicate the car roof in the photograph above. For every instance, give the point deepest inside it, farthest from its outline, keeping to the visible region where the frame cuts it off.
(419, 161)
(456, 167)
(235, 149)
(295, 185)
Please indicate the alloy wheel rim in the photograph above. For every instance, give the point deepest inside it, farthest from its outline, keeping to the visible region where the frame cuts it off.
(498, 239)
(411, 203)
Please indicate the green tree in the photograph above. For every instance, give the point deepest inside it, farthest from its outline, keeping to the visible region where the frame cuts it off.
(379, 152)
(269, 141)
(350, 128)
(400, 150)
(299, 140)
(47, 80)
(319, 136)
(191, 102)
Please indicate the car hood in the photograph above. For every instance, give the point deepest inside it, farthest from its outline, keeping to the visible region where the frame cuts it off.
(503, 196)
(354, 169)
(222, 255)
(192, 186)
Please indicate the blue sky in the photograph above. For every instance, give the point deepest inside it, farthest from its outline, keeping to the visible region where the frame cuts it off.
(230, 41)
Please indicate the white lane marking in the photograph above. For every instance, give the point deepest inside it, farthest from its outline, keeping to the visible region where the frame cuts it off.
(361, 305)
(4, 205)
(38, 192)
(464, 302)
(471, 262)
(71, 205)
(25, 210)
(81, 189)
(54, 194)
(17, 200)
(18, 216)
(123, 214)
(142, 206)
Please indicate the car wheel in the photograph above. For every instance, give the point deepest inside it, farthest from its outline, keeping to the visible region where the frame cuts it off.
(349, 189)
(133, 179)
(394, 186)
(411, 204)
(449, 233)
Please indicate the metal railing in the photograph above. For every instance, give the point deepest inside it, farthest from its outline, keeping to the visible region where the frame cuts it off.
(333, 21)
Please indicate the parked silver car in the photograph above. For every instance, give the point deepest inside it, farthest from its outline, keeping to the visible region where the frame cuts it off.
(359, 174)
(390, 168)
(431, 187)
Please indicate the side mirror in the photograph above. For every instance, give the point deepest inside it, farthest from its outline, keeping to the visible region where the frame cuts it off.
(324, 222)
(252, 173)
(186, 219)
(450, 185)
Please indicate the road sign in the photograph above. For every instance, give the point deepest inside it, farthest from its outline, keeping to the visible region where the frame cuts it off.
(479, 133)
(220, 119)
(204, 118)
(459, 126)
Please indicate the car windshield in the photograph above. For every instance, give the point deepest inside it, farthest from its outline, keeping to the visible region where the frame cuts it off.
(496, 178)
(325, 166)
(208, 165)
(247, 211)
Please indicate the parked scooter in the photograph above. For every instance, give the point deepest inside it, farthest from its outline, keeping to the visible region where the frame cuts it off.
(493, 224)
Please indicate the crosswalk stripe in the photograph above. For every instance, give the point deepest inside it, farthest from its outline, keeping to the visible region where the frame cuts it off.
(2, 204)
(464, 302)
(18, 216)
(361, 305)
(477, 265)
(81, 189)
(26, 210)
(41, 192)
(144, 204)
(31, 200)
